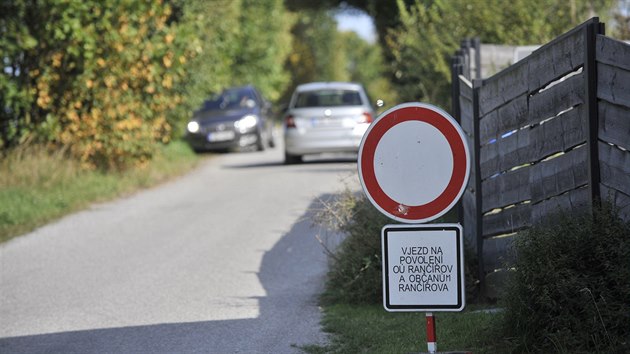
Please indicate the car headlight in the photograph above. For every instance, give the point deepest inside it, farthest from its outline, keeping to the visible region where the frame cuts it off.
(193, 127)
(246, 123)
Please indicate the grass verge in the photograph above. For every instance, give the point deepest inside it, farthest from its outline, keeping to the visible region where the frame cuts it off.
(37, 187)
(370, 329)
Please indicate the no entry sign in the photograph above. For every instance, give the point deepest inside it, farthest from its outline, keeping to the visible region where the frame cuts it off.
(414, 162)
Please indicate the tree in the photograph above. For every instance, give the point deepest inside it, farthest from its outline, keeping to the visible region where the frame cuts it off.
(365, 65)
(94, 76)
(315, 54)
(264, 43)
(110, 80)
(431, 31)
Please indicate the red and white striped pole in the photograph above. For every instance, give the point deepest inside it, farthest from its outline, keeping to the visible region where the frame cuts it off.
(431, 337)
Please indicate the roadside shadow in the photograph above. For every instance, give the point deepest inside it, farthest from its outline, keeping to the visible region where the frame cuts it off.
(292, 274)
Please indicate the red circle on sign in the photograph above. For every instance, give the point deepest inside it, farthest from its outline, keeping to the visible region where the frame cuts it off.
(459, 149)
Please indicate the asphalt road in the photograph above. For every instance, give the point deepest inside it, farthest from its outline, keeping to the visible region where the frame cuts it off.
(222, 260)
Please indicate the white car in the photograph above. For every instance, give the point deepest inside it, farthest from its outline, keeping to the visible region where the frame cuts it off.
(325, 117)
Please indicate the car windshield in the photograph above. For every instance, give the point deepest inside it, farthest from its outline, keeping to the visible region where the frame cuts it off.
(327, 98)
(229, 99)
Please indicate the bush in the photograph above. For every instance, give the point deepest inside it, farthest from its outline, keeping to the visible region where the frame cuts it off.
(355, 272)
(569, 291)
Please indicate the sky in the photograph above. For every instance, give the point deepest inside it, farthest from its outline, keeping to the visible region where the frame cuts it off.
(358, 22)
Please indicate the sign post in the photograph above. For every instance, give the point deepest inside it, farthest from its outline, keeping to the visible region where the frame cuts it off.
(414, 165)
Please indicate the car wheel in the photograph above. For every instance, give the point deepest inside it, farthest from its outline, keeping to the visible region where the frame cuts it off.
(260, 142)
(292, 159)
(272, 142)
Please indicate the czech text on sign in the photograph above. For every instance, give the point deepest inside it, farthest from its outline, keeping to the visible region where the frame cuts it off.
(423, 267)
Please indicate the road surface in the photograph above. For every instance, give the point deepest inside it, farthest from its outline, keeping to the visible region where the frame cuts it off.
(222, 260)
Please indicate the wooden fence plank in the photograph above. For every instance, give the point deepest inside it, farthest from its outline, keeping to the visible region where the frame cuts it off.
(614, 165)
(614, 124)
(505, 189)
(512, 151)
(559, 175)
(620, 200)
(574, 200)
(534, 144)
(613, 84)
(470, 219)
(558, 98)
(466, 113)
(503, 87)
(559, 134)
(613, 52)
(511, 116)
(465, 88)
(473, 163)
(507, 221)
(556, 59)
(497, 252)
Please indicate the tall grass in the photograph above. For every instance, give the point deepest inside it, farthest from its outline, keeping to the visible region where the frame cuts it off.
(38, 186)
(370, 329)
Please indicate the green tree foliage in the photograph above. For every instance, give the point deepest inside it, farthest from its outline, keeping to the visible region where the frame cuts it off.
(430, 31)
(93, 76)
(315, 54)
(212, 29)
(364, 64)
(264, 43)
(110, 79)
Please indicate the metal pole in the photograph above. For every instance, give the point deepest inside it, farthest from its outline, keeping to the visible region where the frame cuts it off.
(431, 336)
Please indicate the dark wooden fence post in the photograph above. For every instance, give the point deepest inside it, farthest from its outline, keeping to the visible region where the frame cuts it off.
(591, 120)
(477, 83)
(456, 70)
(476, 43)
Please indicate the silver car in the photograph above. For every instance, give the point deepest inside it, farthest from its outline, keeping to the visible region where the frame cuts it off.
(325, 117)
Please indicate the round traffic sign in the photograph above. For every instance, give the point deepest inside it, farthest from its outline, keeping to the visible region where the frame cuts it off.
(414, 162)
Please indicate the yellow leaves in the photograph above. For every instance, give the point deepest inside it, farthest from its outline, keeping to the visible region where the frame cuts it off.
(110, 81)
(167, 82)
(73, 116)
(167, 62)
(129, 124)
(124, 29)
(115, 111)
(44, 100)
(169, 38)
(56, 59)
(43, 94)
(168, 59)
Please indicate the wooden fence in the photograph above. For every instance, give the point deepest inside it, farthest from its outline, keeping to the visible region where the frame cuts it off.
(549, 133)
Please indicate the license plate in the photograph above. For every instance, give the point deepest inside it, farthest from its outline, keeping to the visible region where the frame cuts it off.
(221, 136)
(325, 122)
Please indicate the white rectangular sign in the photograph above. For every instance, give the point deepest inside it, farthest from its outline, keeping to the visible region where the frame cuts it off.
(423, 267)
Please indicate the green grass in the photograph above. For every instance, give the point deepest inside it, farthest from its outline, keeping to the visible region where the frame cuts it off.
(370, 329)
(37, 187)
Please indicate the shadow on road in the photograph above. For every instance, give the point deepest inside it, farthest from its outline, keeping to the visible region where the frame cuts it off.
(310, 161)
(289, 314)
